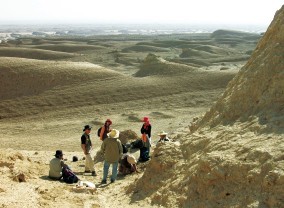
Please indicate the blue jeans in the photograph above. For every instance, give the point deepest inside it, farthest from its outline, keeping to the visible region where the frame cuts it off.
(114, 170)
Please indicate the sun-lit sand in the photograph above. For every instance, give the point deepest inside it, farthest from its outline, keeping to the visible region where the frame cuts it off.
(219, 96)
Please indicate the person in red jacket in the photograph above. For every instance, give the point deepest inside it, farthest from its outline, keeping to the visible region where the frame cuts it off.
(146, 139)
(105, 129)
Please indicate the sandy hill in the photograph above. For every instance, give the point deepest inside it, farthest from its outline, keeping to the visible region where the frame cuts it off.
(34, 53)
(154, 65)
(65, 95)
(233, 37)
(257, 90)
(234, 158)
(146, 48)
(27, 77)
(68, 47)
(232, 33)
(219, 163)
(188, 52)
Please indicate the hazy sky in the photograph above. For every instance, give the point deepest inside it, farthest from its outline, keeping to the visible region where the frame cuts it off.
(140, 11)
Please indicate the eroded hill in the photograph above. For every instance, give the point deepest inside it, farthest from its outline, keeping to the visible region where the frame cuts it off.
(233, 156)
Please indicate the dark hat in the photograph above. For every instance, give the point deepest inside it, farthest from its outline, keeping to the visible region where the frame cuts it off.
(75, 159)
(58, 153)
(87, 127)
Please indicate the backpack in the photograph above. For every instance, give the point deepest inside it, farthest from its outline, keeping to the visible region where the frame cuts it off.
(68, 175)
(99, 131)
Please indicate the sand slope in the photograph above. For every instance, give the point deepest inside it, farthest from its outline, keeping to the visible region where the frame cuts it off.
(231, 157)
(25, 77)
(34, 53)
(235, 156)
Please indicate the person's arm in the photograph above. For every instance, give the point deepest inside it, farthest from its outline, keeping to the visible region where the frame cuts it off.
(91, 145)
(83, 144)
(142, 129)
(120, 149)
(63, 164)
(135, 168)
(149, 131)
(102, 132)
(103, 147)
(84, 148)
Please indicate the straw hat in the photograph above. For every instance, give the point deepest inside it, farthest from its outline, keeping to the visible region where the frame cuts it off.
(131, 159)
(113, 134)
(162, 133)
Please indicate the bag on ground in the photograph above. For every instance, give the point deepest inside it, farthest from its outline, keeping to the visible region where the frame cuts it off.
(68, 175)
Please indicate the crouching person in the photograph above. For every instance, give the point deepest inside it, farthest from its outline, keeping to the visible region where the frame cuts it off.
(56, 165)
(58, 169)
(127, 164)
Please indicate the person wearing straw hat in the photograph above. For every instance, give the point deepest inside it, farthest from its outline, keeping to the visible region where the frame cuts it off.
(112, 151)
(56, 165)
(86, 145)
(127, 164)
(163, 137)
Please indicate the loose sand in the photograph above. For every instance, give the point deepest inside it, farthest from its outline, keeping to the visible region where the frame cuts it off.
(231, 157)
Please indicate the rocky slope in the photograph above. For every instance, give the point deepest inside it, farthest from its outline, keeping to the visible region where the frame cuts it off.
(257, 90)
(233, 156)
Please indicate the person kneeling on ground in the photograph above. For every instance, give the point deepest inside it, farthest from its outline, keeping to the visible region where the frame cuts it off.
(56, 165)
(127, 164)
(163, 137)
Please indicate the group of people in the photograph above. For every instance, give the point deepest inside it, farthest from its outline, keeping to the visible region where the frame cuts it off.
(112, 151)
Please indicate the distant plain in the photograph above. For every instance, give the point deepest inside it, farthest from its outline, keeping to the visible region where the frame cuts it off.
(52, 85)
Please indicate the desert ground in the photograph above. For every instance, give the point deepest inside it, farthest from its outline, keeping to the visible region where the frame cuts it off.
(51, 86)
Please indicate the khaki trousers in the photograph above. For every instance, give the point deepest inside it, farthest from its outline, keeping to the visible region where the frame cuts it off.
(89, 163)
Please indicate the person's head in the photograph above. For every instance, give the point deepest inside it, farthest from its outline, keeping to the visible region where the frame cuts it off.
(113, 134)
(59, 154)
(108, 122)
(87, 129)
(162, 134)
(131, 159)
(146, 119)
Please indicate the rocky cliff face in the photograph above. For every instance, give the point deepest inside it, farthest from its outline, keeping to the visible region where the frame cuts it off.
(233, 156)
(258, 89)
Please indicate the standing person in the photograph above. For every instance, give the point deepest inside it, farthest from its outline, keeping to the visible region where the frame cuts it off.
(86, 145)
(112, 150)
(105, 129)
(56, 165)
(146, 139)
